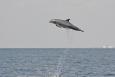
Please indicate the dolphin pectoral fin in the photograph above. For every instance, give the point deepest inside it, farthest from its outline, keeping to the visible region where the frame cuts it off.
(58, 25)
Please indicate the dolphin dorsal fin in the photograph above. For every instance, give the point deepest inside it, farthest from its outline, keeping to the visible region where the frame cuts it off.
(67, 20)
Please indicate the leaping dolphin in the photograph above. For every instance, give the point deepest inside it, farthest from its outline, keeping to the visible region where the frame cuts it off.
(65, 24)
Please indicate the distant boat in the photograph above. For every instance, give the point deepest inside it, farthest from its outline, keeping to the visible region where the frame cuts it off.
(110, 46)
(107, 46)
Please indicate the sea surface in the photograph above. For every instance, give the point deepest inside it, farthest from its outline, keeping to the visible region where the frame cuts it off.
(57, 62)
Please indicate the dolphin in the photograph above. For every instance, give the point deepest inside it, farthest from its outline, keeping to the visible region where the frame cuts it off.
(64, 24)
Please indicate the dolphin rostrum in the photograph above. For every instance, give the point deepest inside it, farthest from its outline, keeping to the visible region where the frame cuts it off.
(65, 24)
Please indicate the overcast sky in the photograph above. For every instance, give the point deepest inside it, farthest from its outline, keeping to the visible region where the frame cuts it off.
(25, 23)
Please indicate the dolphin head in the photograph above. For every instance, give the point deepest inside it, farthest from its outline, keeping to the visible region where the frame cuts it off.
(53, 21)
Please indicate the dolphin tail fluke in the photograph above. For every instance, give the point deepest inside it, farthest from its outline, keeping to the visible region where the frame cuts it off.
(82, 31)
(75, 28)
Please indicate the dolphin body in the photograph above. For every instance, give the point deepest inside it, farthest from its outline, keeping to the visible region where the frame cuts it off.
(64, 24)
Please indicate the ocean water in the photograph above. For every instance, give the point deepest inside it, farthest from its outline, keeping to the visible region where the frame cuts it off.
(55, 62)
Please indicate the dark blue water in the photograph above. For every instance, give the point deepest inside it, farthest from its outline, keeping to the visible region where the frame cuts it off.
(57, 62)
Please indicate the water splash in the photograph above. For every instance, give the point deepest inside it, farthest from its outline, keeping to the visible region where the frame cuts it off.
(60, 66)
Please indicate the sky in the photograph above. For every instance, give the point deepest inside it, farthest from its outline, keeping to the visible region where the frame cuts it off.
(25, 23)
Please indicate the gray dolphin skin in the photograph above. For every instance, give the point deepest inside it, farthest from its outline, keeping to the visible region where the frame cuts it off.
(65, 24)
